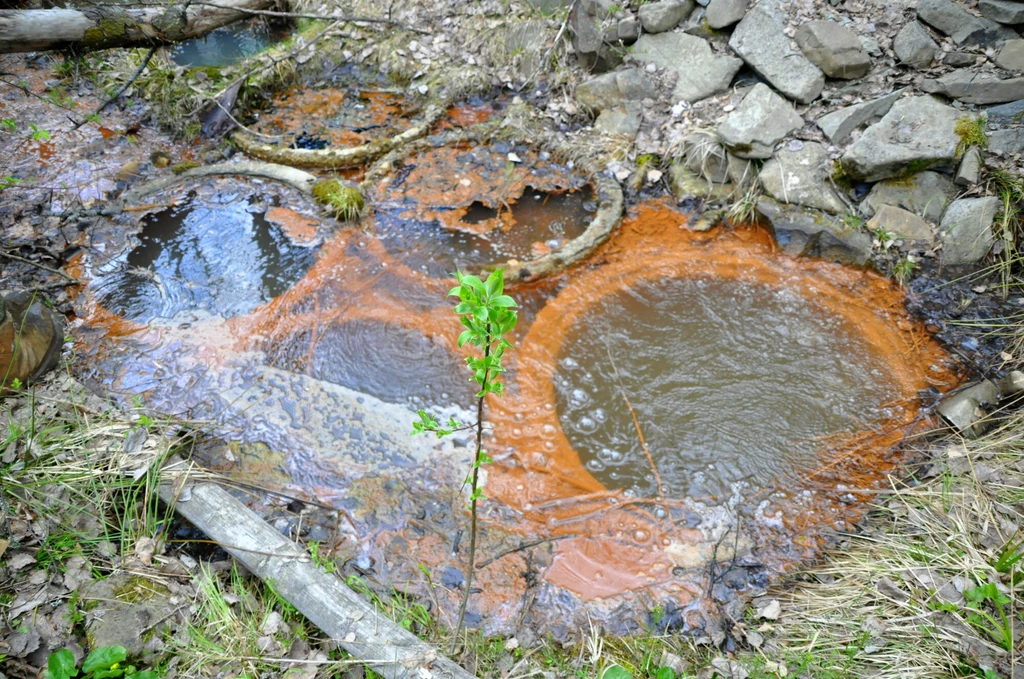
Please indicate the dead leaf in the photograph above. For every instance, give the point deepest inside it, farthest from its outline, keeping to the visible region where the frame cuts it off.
(770, 611)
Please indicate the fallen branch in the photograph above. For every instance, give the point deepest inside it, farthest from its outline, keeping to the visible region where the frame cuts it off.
(100, 27)
(354, 623)
(65, 276)
(121, 90)
(319, 17)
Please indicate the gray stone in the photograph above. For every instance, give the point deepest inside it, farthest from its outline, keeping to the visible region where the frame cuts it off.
(724, 13)
(870, 45)
(628, 30)
(623, 120)
(926, 194)
(686, 183)
(700, 72)
(917, 133)
(969, 171)
(634, 85)
(1007, 142)
(902, 224)
(1012, 384)
(1011, 56)
(599, 93)
(122, 608)
(958, 59)
(706, 157)
(966, 230)
(742, 172)
(973, 87)
(914, 46)
(964, 409)
(1002, 11)
(759, 39)
(760, 122)
(592, 52)
(834, 49)
(962, 26)
(1011, 113)
(802, 177)
(839, 125)
(803, 232)
(658, 17)
(611, 89)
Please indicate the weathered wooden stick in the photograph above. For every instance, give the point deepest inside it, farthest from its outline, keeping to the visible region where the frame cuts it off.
(104, 26)
(323, 598)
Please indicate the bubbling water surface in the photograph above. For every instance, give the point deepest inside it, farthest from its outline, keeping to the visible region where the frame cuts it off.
(732, 382)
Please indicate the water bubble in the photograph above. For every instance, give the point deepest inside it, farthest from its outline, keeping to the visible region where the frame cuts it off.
(570, 363)
(599, 414)
(579, 398)
(548, 431)
(586, 425)
(595, 465)
(641, 535)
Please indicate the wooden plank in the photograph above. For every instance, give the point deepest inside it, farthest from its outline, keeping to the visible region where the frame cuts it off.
(323, 598)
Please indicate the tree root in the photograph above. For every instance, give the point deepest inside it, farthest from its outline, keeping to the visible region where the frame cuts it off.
(303, 181)
(335, 159)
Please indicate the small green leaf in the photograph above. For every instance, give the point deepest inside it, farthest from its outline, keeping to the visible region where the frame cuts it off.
(61, 665)
(665, 673)
(104, 658)
(616, 672)
(145, 674)
(503, 301)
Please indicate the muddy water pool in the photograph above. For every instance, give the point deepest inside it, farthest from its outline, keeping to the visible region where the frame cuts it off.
(765, 387)
(732, 382)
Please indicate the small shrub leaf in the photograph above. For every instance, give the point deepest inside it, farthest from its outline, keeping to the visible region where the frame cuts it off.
(103, 658)
(616, 672)
(61, 665)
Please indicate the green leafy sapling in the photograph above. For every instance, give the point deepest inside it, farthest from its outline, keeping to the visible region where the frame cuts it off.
(488, 315)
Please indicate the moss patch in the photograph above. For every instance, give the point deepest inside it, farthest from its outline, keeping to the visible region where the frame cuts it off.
(345, 202)
(971, 132)
(138, 589)
(184, 167)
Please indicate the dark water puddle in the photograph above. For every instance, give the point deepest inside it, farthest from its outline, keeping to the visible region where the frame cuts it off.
(536, 223)
(733, 382)
(386, 360)
(227, 45)
(221, 257)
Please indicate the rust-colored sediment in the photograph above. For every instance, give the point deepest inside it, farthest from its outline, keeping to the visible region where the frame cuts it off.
(305, 110)
(299, 229)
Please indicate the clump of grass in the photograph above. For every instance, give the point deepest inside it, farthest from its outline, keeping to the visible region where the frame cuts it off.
(971, 132)
(345, 202)
(744, 209)
(903, 270)
(1010, 190)
(933, 588)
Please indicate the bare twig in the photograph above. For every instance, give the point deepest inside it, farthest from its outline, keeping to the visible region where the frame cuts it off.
(122, 89)
(636, 423)
(68, 277)
(524, 546)
(322, 17)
